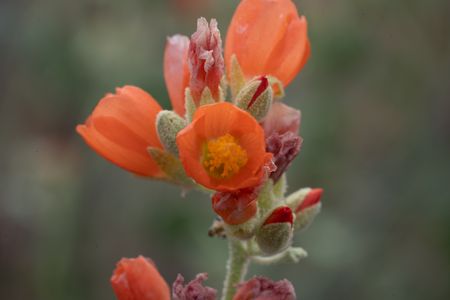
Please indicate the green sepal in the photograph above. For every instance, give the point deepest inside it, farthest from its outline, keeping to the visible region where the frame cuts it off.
(171, 166)
(223, 88)
(189, 105)
(168, 124)
(265, 199)
(279, 188)
(242, 231)
(237, 79)
(206, 97)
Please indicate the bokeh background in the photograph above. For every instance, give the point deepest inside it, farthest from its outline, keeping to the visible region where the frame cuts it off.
(375, 98)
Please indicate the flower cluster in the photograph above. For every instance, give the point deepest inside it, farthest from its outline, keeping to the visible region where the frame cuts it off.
(236, 146)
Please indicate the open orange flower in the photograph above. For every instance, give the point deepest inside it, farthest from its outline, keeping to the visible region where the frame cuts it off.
(223, 148)
(138, 279)
(268, 38)
(122, 127)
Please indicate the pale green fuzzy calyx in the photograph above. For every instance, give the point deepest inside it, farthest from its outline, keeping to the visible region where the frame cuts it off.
(242, 231)
(256, 97)
(305, 217)
(207, 97)
(223, 88)
(171, 166)
(168, 124)
(296, 198)
(279, 189)
(189, 105)
(265, 199)
(274, 238)
(237, 79)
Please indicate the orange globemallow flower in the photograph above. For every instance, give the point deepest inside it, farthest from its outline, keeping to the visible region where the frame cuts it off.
(268, 38)
(176, 70)
(122, 127)
(223, 148)
(138, 279)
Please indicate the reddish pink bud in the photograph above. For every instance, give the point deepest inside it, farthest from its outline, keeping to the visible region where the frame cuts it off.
(282, 118)
(264, 83)
(138, 279)
(312, 198)
(193, 290)
(281, 214)
(205, 59)
(235, 207)
(260, 288)
(285, 148)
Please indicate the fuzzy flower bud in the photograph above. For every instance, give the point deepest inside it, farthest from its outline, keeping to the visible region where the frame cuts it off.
(261, 288)
(285, 148)
(275, 234)
(193, 290)
(168, 124)
(282, 118)
(205, 59)
(281, 127)
(256, 97)
(308, 209)
(235, 207)
(138, 279)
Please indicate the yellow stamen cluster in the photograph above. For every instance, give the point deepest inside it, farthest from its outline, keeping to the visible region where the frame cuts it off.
(224, 157)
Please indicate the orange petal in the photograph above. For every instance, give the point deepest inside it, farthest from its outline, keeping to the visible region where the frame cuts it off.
(256, 44)
(290, 54)
(138, 279)
(122, 127)
(176, 70)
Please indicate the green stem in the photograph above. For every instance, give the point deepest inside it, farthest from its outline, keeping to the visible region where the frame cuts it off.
(237, 266)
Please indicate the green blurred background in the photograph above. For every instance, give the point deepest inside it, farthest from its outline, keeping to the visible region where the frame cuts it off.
(375, 98)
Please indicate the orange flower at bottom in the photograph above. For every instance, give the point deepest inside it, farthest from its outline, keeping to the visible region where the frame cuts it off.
(223, 148)
(138, 279)
(122, 127)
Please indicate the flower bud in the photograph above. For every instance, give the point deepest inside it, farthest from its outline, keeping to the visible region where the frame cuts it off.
(168, 124)
(285, 148)
(205, 59)
(238, 210)
(275, 234)
(235, 207)
(281, 214)
(261, 288)
(256, 97)
(192, 290)
(282, 118)
(306, 205)
(138, 279)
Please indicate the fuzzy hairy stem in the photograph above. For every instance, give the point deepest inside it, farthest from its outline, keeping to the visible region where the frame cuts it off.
(237, 266)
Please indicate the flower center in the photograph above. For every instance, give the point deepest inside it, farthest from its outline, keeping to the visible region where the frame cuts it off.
(224, 157)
